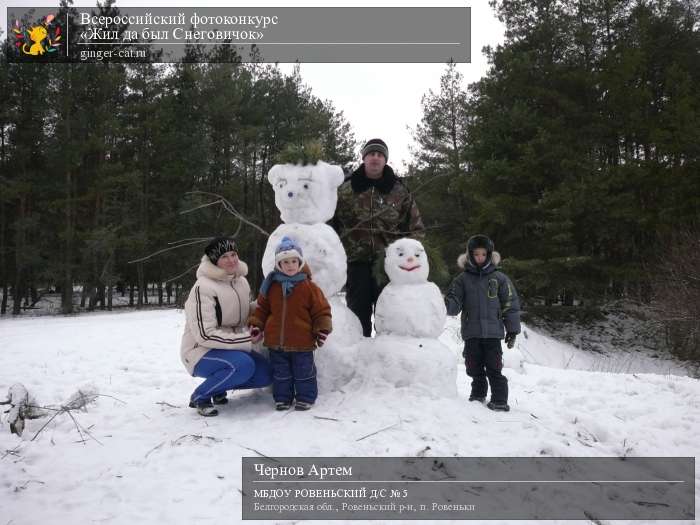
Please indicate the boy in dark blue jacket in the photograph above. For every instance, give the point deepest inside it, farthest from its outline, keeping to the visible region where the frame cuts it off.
(489, 306)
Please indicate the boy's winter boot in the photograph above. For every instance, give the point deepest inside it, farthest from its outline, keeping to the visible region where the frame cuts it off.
(500, 406)
(480, 399)
(302, 405)
(220, 399)
(283, 405)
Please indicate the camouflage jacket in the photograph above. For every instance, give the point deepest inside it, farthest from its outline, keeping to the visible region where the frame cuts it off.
(372, 214)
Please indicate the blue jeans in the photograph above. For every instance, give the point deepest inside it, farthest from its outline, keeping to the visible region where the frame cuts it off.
(293, 372)
(228, 370)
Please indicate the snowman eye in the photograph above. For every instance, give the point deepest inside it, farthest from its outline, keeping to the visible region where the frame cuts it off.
(282, 183)
(400, 254)
(418, 255)
(306, 186)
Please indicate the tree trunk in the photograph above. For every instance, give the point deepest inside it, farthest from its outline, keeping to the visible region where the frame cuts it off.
(67, 295)
(101, 296)
(568, 298)
(18, 288)
(3, 266)
(3, 277)
(5, 292)
(92, 298)
(34, 295)
(83, 295)
(140, 284)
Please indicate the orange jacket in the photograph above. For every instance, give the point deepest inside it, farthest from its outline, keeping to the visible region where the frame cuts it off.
(292, 323)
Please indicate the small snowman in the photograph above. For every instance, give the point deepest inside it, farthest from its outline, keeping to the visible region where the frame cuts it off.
(409, 317)
(409, 305)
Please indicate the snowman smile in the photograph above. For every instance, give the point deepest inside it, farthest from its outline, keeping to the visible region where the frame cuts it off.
(410, 269)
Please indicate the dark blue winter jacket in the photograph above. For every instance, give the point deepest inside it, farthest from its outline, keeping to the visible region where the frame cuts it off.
(487, 299)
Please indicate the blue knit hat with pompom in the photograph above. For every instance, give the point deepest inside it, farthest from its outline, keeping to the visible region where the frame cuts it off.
(286, 249)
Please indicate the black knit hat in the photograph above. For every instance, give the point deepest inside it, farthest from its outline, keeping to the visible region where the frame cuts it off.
(479, 241)
(219, 246)
(375, 145)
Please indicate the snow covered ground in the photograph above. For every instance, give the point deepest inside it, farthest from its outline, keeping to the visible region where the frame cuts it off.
(150, 459)
(624, 331)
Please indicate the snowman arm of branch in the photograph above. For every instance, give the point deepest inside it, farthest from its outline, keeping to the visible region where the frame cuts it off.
(228, 207)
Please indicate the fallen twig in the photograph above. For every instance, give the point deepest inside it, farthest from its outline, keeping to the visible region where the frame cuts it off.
(46, 424)
(78, 427)
(328, 418)
(24, 485)
(11, 452)
(77, 402)
(195, 437)
(166, 404)
(111, 397)
(378, 431)
(259, 453)
(154, 449)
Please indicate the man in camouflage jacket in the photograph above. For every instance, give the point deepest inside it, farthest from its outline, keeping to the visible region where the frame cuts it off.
(374, 209)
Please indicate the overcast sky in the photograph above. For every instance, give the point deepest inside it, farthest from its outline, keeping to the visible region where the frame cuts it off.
(379, 100)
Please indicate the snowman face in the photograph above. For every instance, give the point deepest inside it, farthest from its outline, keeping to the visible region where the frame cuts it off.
(306, 194)
(406, 262)
(298, 196)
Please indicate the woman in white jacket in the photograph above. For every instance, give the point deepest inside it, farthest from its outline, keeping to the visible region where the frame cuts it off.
(216, 344)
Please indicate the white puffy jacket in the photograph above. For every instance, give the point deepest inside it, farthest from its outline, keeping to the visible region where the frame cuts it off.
(216, 313)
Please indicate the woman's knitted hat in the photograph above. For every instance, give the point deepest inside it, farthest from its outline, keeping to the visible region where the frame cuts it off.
(219, 246)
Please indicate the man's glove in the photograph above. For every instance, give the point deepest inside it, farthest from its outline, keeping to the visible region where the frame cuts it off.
(510, 339)
(321, 338)
(256, 334)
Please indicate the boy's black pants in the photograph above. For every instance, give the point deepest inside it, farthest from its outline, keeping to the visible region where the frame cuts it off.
(484, 359)
(362, 292)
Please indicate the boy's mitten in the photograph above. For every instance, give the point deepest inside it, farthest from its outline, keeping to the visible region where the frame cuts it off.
(256, 334)
(321, 338)
(510, 339)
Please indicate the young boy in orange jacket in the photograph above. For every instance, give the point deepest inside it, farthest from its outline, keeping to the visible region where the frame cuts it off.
(294, 318)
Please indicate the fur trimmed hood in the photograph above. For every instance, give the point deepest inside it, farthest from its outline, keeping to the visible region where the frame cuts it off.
(212, 271)
(463, 260)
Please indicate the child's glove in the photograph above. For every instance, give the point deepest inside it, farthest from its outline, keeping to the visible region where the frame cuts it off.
(510, 339)
(256, 334)
(321, 338)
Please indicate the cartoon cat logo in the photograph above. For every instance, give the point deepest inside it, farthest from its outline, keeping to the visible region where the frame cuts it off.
(39, 39)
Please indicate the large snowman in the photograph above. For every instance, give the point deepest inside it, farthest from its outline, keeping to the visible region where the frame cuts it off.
(306, 196)
(409, 316)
